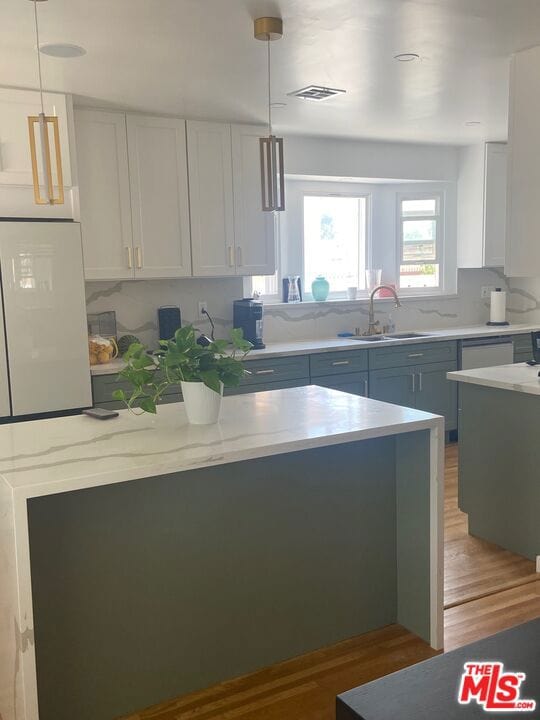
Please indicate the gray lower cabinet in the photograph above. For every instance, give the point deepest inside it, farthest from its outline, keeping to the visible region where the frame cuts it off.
(354, 383)
(522, 348)
(423, 387)
(435, 394)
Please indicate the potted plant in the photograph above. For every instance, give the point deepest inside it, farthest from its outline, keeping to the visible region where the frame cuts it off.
(201, 371)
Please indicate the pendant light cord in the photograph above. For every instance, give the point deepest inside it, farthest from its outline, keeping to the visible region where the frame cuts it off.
(38, 57)
(268, 42)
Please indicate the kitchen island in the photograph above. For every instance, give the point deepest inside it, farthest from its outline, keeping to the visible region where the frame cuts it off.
(499, 455)
(142, 557)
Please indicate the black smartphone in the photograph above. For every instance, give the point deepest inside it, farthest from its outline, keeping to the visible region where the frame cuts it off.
(100, 413)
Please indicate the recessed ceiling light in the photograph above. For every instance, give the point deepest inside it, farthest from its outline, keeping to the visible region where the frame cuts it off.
(407, 57)
(472, 123)
(62, 50)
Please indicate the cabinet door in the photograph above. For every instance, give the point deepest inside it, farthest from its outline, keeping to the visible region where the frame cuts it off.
(354, 383)
(396, 385)
(211, 199)
(159, 197)
(495, 204)
(15, 108)
(436, 394)
(523, 248)
(253, 228)
(104, 195)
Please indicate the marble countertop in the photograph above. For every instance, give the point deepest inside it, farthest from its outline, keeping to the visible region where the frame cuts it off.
(518, 378)
(309, 347)
(50, 456)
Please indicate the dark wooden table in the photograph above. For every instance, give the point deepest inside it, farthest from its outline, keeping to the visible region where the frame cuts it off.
(429, 690)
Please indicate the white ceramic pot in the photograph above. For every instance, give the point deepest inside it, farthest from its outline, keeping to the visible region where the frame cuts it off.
(202, 404)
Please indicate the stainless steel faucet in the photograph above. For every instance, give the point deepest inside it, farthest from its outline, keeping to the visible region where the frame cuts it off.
(373, 328)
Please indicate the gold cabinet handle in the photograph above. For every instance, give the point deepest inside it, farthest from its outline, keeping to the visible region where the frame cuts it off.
(239, 256)
(230, 250)
(129, 257)
(138, 255)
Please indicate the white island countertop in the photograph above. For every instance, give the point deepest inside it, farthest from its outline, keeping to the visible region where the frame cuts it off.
(287, 348)
(519, 378)
(45, 457)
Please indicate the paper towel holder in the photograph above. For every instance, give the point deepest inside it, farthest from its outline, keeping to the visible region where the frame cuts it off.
(500, 323)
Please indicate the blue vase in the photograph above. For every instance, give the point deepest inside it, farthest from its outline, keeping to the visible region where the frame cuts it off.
(320, 288)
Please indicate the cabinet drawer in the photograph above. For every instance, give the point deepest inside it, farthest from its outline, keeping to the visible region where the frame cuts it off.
(355, 383)
(276, 370)
(103, 387)
(415, 354)
(336, 363)
(262, 387)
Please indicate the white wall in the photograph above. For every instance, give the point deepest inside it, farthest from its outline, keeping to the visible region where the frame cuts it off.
(359, 159)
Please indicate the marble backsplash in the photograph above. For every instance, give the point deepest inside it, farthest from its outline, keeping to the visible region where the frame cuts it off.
(136, 303)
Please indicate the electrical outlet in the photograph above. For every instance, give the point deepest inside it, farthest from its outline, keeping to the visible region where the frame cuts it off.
(486, 291)
(203, 308)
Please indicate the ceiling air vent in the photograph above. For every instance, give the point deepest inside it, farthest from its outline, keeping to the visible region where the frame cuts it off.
(316, 92)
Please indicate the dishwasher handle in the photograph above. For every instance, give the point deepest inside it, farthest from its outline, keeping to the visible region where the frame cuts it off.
(480, 342)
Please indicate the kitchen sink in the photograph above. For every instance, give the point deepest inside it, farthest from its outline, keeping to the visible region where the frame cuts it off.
(406, 335)
(393, 336)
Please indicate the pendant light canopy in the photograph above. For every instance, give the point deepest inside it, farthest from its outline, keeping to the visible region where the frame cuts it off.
(269, 29)
(47, 135)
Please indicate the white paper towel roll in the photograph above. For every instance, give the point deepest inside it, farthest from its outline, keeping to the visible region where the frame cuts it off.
(498, 306)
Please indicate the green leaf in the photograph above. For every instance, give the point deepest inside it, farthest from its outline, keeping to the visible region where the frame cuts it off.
(148, 405)
(211, 379)
(119, 395)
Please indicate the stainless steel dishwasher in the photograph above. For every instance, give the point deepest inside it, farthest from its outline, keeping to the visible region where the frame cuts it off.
(486, 352)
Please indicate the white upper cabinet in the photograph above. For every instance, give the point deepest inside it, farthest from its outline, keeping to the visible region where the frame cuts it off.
(482, 205)
(15, 108)
(159, 197)
(211, 199)
(104, 195)
(253, 228)
(523, 247)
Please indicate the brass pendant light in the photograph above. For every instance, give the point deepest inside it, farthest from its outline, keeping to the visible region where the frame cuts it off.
(269, 29)
(47, 126)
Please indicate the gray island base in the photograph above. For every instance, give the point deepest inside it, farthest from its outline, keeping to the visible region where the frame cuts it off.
(499, 455)
(165, 557)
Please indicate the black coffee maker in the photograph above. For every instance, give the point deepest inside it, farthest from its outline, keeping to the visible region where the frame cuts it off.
(248, 315)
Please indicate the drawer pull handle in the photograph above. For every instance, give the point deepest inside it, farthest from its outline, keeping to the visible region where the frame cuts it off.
(411, 355)
(129, 257)
(366, 389)
(230, 250)
(139, 257)
(413, 382)
(340, 362)
(264, 372)
(420, 387)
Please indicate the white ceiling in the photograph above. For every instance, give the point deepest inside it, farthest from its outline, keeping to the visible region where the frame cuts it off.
(198, 59)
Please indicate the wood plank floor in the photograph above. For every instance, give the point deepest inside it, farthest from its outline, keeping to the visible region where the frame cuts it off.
(487, 589)
(474, 568)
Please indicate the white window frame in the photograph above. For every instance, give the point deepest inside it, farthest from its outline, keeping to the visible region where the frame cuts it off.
(439, 241)
(341, 294)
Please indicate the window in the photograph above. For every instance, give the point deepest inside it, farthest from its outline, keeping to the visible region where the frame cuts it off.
(335, 240)
(419, 235)
(340, 228)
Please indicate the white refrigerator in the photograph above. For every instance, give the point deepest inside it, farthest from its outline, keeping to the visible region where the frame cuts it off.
(44, 364)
